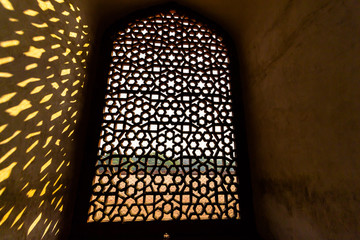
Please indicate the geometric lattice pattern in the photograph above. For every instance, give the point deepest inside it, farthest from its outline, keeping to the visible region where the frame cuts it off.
(166, 150)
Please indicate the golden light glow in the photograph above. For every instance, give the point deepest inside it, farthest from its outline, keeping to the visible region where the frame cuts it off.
(38, 38)
(32, 135)
(34, 52)
(31, 66)
(30, 12)
(32, 146)
(9, 43)
(14, 111)
(46, 98)
(34, 224)
(7, 5)
(7, 97)
(11, 137)
(18, 217)
(31, 115)
(6, 155)
(53, 58)
(44, 189)
(29, 162)
(53, 19)
(27, 81)
(6, 172)
(37, 89)
(45, 5)
(34, 55)
(6, 216)
(56, 115)
(6, 60)
(30, 193)
(5, 75)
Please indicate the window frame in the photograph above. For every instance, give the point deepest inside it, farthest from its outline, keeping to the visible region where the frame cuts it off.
(199, 229)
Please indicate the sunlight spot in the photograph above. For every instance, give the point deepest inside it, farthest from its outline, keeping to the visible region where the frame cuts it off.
(66, 128)
(7, 97)
(34, 224)
(46, 229)
(44, 189)
(55, 36)
(34, 52)
(6, 60)
(78, 19)
(30, 193)
(6, 172)
(42, 25)
(50, 76)
(24, 186)
(56, 115)
(18, 217)
(60, 165)
(66, 13)
(6, 155)
(46, 98)
(74, 93)
(73, 34)
(61, 31)
(48, 107)
(9, 43)
(67, 51)
(47, 141)
(6, 216)
(57, 180)
(55, 85)
(72, 7)
(32, 134)
(45, 5)
(73, 60)
(39, 123)
(41, 203)
(79, 53)
(2, 127)
(29, 162)
(19, 32)
(54, 19)
(31, 115)
(7, 4)
(14, 111)
(65, 72)
(5, 74)
(29, 80)
(11, 137)
(53, 58)
(37, 89)
(32, 146)
(2, 190)
(31, 66)
(13, 20)
(31, 12)
(59, 1)
(20, 226)
(38, 38)
(73, 115)
(58, 203)
(57, 189)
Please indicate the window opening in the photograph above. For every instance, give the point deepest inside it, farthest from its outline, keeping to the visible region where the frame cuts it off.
(166, 149)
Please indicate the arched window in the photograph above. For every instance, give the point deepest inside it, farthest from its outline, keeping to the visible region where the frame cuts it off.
(166, 149)
(166, 152)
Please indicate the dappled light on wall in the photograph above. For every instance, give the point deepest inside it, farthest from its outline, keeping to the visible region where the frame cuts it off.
(43, 53)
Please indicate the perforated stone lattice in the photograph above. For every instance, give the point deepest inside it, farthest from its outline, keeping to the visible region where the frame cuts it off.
(166, 150)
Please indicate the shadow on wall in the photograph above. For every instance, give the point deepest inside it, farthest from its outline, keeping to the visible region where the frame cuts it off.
(43, 52)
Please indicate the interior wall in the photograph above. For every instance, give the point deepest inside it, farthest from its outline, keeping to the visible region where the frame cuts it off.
(303, 111)
(43, 58)
(301, 95)
(301, 82)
